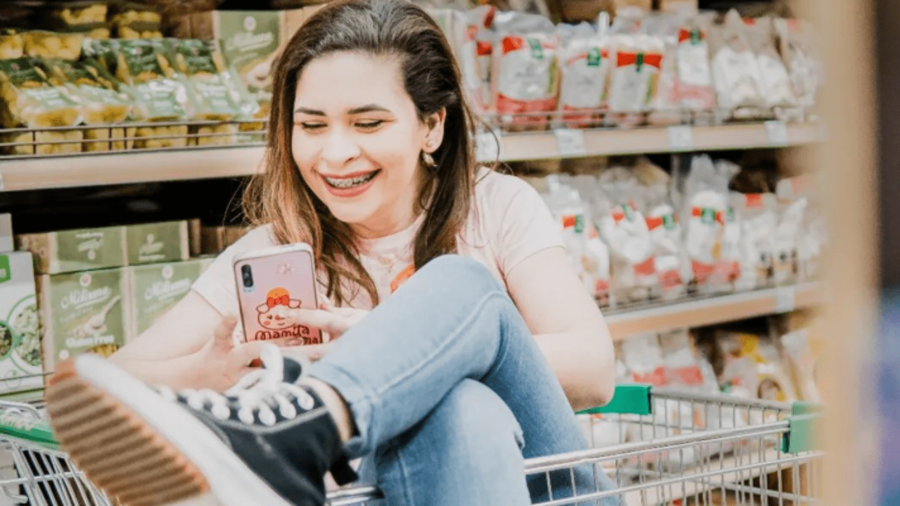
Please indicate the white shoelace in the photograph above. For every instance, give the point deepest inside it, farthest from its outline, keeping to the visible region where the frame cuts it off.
(263, 390)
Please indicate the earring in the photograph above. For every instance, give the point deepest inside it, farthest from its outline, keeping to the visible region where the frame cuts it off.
(428, 160)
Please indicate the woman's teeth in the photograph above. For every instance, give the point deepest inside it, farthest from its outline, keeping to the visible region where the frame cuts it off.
(350, 182)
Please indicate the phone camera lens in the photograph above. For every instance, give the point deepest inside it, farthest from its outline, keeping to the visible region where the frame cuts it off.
(247, 276)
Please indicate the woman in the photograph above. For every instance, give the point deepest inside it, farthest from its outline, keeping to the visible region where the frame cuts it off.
(472, 365)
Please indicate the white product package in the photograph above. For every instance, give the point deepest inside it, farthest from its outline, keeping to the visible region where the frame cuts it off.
(695, 83)
(584, 59)
(705, 209)
(475, 55)
(728, 269)
(666, 235)
(735, 70)
(525, 73)
(625, 230)
(795, 40)
(777, 89)
(813, 232)
(758, 219)
(638, 62)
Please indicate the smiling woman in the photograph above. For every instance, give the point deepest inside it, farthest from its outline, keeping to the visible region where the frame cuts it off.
(460, 336)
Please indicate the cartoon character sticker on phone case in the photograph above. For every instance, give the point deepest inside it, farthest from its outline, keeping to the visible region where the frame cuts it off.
(278, 317)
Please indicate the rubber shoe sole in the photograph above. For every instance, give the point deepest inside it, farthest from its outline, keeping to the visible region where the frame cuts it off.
(142, 449)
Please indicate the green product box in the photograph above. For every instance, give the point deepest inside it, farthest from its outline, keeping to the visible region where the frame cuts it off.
(75, 250)
(250, 41)
(83, 312)
(6, 234)
(157, 242)
(20, 345)
(157, 288)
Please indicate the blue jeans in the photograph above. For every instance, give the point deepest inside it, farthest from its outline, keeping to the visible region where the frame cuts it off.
(450, 393)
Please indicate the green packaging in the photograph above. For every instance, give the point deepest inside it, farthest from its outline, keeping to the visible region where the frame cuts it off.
(250, 41)
(20, 348)
(157, 242)
(157, 288)
(83, 312)
(75, 250)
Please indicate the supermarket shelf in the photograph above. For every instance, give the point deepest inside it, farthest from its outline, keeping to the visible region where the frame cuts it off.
(713, 310)
(122, 168)
(18, 174)
(605, 142)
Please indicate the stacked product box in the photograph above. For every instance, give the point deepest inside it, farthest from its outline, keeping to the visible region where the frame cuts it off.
(87, 280)
(156, 288)
(20, 354)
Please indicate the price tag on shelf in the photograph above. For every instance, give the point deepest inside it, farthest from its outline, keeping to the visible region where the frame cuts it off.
(487, 146)
(784, 300)
(570, 142)
(777, 132)
(681, 138)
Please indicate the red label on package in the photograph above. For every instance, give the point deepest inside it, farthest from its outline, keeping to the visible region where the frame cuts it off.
(702, 271)
(657, 377)
(639, 60)
(688, 376)
(753, 200)
(646, 268)
(670, 279)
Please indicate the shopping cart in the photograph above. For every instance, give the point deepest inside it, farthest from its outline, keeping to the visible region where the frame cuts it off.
(660, 447)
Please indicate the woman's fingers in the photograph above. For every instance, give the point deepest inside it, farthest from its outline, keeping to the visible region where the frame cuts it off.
(319, 319)
(245, 353)
(224, 332)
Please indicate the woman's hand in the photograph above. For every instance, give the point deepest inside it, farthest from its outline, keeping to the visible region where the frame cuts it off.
(221, 363)
(332, 321)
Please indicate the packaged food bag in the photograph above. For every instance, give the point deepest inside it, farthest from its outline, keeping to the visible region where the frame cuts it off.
(777, 89)
(584, 64)
(670, 257)
(813, 231)
(525, 75)
(705, 210)
(133, 20)
(595, 257)
(44, 44)
(144, 66)
(87, 17)
(664, 103)
(797, 47)
(758, 218)
(99, 96)
(695, 83)
(638, 62)
(27, 98)
(735, 69)
(799, 341)
(625, 230)
(753, 366)
(20, 331)
(475, 55)
(787, 232)
(11, 45)
(728, 269)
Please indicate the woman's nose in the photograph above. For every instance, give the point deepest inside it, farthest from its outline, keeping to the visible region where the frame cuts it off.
(340, 148)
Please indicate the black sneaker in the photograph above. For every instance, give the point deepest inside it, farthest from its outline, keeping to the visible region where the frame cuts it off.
(264, 442)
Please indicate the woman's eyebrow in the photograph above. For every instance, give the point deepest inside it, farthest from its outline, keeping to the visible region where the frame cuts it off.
(311, 112)
(356, 110)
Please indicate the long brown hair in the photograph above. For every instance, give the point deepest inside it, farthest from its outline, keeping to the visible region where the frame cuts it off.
(431, 78)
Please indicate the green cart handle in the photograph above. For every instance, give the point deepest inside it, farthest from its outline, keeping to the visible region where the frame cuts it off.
(800, 436)
(627, 400)
(805, 408)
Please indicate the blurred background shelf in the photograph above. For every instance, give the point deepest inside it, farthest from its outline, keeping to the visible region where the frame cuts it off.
(699, 312)
(48, 172)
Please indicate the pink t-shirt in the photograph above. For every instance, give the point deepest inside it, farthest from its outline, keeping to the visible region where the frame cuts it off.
(509, 222)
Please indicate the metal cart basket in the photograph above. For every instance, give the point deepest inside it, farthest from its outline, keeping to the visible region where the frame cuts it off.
(660, 447)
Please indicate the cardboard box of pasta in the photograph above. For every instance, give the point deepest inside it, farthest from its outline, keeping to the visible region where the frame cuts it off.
(75, 250)
(83, 312)
(156, 288)
(20, 348)
(157, 242)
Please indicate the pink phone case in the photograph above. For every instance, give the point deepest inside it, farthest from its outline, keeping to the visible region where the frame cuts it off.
(283, 279)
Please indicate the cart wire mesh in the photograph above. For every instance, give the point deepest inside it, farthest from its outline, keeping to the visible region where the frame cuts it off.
(658, 447)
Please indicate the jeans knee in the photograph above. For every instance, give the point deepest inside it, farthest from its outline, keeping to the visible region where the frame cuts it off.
(475, 413)
(458, 269)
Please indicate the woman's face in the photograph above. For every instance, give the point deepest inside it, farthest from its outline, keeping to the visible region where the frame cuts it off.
(357, 140)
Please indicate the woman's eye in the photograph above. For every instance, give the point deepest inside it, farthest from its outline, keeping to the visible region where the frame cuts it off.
(312, 127)
(369, 125)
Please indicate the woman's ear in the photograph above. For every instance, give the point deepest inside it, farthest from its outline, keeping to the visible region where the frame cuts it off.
(435, 133)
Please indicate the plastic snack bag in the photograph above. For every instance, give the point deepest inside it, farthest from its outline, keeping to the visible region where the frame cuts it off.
(777, 89)
(758, 218)
(695, 83)
(796, 45)
(638, 62)
(624, 229)
(584, 63)
(735, 70)
(475, 55)
(706, 206)
(11, 45)
(28, 98)
(728, 269)
(525, 74)
(665, 101)
(798, 342)
(50, 45)
(813, 231)
(595, 257)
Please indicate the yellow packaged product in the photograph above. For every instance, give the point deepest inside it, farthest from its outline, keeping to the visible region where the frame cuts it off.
(50, 45)
(30, 100)
(11, 45)
(157, 93)
(102, 102)
(86, 17)
(136, 21)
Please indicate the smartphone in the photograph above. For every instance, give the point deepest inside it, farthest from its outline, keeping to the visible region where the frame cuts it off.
(272, 284)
